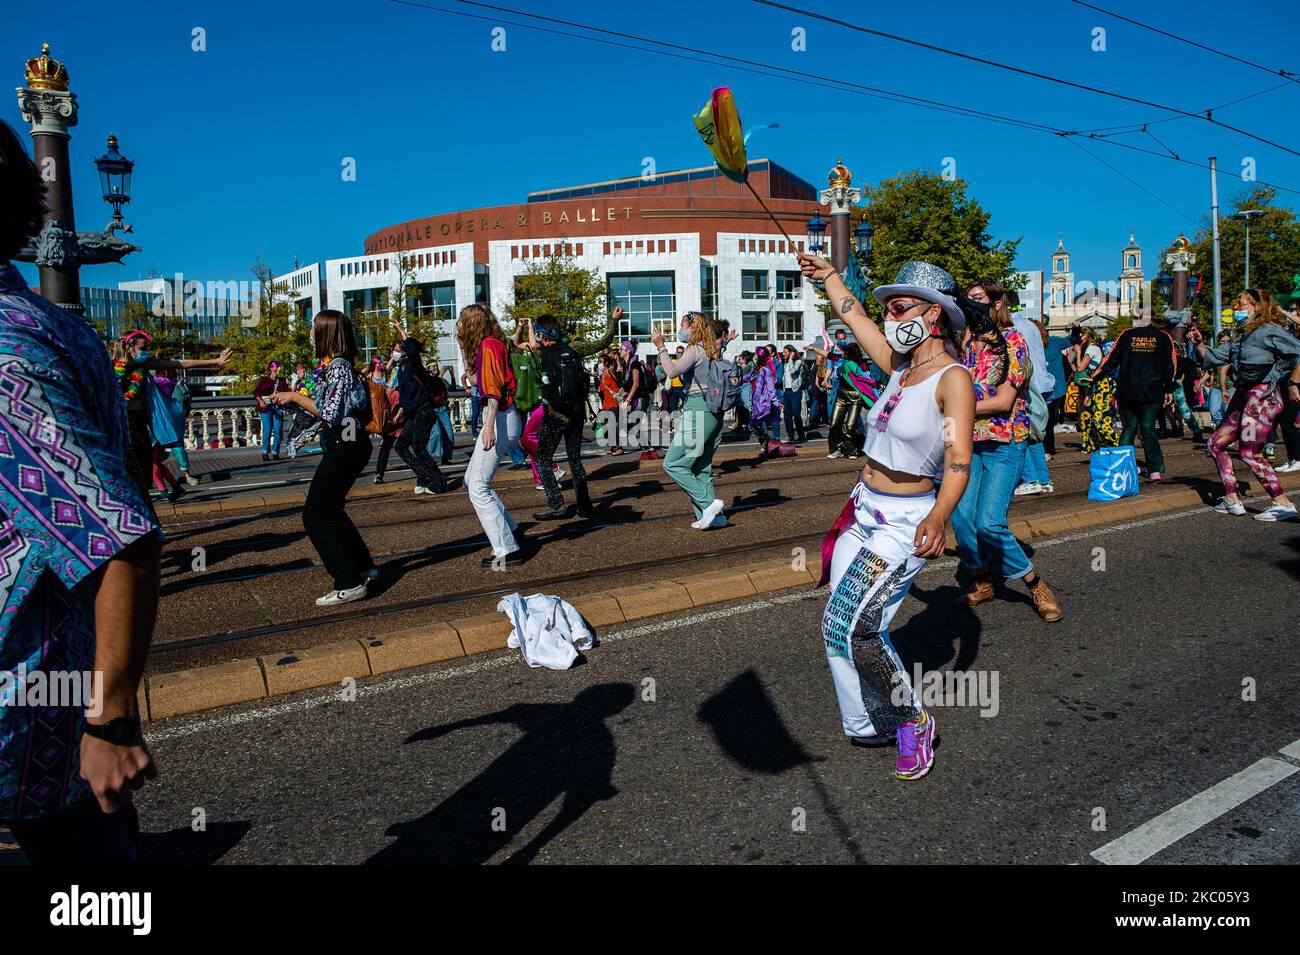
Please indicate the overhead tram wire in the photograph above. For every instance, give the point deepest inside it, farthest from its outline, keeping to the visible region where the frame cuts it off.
(971, 57)
(1286, 74)
(1131, 180)
(1123, 128)
(711, 58)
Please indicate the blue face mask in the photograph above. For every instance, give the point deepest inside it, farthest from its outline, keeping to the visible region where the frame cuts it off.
(1241, 315)
(143, 356)
(684, 335)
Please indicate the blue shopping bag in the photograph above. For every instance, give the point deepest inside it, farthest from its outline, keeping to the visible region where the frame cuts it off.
(1113, 473)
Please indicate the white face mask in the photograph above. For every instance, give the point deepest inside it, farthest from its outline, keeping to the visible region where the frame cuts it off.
(684, 334)
(904, 336)
(398, 356)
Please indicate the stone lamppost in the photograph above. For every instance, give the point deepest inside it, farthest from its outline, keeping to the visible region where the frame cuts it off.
(1178, 260)
(59, 250)
(840, 199)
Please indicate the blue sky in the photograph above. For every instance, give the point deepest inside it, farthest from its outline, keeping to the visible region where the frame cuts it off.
(238, 149)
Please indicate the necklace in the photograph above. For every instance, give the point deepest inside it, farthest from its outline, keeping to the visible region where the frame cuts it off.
(907, 375)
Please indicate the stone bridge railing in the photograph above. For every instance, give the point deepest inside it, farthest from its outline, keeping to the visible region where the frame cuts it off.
(229, 422)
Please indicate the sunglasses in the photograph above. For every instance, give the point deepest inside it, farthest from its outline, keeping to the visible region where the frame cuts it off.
(898, 309)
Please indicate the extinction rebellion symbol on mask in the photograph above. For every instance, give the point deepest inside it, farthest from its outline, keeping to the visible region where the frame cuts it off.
(910, 334)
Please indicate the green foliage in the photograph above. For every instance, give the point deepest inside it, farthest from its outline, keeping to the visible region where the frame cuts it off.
(576, 297)
(274, 333)
(920, 215)
(409, 304)
(1274, 252)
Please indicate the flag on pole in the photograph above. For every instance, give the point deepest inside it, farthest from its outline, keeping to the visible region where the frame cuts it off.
(718, 124)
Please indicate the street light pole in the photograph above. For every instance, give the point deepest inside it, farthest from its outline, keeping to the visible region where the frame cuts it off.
(1214, 225)
(840, 198)
(1247, 216)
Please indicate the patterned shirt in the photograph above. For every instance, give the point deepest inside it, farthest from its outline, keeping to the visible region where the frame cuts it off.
(67, 506)
(984, 370)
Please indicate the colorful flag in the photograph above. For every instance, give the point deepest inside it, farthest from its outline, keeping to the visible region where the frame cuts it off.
(718, 124)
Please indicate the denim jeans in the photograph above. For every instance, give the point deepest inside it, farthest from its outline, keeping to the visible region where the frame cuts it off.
(271, 422)
(792, 403)
(984, 541)
(1036, 464)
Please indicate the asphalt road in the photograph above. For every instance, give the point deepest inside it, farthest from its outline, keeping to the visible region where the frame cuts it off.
(714, 736)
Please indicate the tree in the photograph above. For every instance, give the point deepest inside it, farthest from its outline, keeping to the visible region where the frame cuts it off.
(274, 333)
(920, 215)
(554, 285)
(408, 303)
(1274, 252)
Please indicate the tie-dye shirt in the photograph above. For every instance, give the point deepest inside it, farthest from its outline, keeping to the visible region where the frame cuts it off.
(67, 506)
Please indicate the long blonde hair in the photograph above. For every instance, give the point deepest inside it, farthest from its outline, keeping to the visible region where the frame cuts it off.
(702, 335)
(475, 325)
(1267, 311)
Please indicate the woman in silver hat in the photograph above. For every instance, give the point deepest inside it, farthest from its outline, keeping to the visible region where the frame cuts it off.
(918, 431)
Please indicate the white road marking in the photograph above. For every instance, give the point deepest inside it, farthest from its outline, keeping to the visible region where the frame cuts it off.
(1292, 750)
(389, 684)
(1191, 814)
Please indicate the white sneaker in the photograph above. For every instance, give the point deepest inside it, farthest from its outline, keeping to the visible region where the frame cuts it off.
(719, 521)
(1235, 508)
(1277, 513)
(1288, 467)
(1029, 487)
(559, 474)
(342, 596)
(706, 518)
(834, 454)
(421, 489)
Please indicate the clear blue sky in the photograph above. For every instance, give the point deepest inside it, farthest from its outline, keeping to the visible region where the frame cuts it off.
(238, 148)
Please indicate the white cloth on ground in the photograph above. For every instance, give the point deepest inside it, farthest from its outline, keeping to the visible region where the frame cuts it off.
(548, 631)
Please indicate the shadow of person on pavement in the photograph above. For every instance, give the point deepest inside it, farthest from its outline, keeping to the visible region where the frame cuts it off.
(929, 636)
(749, 729)
(566, 750)
(184, 846)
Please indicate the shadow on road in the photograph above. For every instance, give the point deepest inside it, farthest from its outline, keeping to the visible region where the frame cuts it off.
(184, 846)
(567, 750)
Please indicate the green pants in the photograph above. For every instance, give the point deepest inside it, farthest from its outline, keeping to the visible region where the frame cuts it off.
(1142, 415)
(689, 460)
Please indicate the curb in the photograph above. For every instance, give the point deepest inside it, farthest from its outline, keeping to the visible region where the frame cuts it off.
(183, 692)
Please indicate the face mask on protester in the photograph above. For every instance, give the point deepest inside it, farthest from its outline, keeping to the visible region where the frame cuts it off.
(684, 335)
(398, 356)
(1241, 315)
(143, 356)
(904, 336)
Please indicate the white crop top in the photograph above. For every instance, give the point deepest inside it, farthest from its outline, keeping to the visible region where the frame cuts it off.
(905, 427)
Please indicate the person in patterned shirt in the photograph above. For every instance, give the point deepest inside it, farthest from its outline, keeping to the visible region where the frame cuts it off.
(79, 568)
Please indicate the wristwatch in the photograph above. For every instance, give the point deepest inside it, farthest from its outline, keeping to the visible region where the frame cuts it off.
(122, 730)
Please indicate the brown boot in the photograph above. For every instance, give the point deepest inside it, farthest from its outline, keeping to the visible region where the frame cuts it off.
(981, 590)
(1049, 608)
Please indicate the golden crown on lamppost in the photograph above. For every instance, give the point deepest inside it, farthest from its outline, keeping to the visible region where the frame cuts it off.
(1181, 244)
(840, 175)
(46, 73)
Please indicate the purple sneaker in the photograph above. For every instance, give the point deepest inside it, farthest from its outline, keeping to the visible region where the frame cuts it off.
(915, 746)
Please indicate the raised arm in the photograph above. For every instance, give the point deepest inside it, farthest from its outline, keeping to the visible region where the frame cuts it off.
(849, 310)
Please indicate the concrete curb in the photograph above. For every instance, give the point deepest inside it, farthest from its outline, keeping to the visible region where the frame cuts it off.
(240, 681)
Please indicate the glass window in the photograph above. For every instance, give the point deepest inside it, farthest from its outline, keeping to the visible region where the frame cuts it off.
(709, 289)
(753, 283)
(646, 297)
(788, 284)
(789, 325)
(755, 327)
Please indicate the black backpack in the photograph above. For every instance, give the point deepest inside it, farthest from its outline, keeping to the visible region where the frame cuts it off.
(565, 382)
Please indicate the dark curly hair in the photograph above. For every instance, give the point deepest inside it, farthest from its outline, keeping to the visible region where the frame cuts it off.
(23, 207)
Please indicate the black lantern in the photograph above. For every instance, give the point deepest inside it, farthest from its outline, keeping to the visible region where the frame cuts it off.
(816, 233)
(1165, 283)
(862, 237)
(115, 178)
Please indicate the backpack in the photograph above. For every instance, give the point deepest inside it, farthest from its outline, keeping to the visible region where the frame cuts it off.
(723, 390)
(568, 392)
(380, 408)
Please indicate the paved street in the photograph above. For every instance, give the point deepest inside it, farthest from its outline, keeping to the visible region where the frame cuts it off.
(1130, 706)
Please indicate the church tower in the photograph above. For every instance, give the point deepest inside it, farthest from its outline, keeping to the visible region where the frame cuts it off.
(1061, 286)
(1130, 276)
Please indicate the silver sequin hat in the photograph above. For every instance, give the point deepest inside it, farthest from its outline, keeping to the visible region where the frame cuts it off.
(925, 281)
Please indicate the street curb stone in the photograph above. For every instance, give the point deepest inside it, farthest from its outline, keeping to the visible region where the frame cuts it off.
(314, 666)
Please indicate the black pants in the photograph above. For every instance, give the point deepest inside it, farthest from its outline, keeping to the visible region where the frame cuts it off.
(82, 834)
(1054, 409)
(335, 537)
(553, 429)
(413, 447)
(385, 447)
(844, 422)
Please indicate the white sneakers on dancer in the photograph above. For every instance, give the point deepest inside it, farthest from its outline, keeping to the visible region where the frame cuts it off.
(710, 514)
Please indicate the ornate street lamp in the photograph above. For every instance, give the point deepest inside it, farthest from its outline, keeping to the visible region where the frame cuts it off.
(1247, 216)
(816, 234)
(115, 180)
(1165, 284)
(863, 237)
